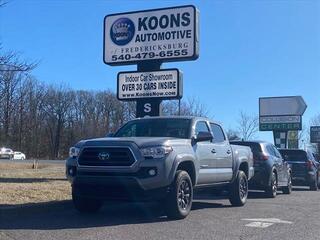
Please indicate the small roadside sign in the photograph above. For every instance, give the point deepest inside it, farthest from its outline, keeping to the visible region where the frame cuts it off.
(315, 134)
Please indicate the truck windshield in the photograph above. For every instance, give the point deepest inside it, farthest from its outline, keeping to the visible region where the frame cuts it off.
(177, 128)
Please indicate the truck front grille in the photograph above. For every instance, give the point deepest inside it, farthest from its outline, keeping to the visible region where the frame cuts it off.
(106, 156)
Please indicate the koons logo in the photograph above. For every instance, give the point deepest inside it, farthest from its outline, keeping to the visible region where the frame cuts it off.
(122, 31)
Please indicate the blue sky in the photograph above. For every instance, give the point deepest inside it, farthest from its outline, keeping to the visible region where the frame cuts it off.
(248, 49)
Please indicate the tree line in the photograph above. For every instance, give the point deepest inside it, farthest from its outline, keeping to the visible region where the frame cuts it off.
(43, 120)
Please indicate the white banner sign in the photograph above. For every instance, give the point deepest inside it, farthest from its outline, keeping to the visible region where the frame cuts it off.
(167, 34)
(165, 84)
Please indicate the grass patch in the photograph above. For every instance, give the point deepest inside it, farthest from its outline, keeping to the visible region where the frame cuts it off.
(20, 184)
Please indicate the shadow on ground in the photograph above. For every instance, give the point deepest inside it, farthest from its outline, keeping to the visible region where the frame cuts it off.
(62, 215)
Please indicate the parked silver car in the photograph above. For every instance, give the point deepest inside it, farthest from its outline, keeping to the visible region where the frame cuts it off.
(6, 153)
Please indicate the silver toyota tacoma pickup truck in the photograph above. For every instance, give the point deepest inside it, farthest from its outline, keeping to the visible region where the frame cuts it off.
(160, 159)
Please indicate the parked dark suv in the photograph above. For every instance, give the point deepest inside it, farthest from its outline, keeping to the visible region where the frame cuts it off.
(271, 172)
(305, 168)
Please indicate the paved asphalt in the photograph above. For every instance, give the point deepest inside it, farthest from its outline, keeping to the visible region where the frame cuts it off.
(287, 217)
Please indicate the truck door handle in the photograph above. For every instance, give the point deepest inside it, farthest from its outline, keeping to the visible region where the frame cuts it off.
(204, 166)
(229, 151)
(213, 151)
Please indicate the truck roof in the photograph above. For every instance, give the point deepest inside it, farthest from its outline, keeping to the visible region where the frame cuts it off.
(178, 117)
(251, 141)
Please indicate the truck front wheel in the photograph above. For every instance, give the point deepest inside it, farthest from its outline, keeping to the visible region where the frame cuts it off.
(179, 199)
(86, 205)
(239, 190)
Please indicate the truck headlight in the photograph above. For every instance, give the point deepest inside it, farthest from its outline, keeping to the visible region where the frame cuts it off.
(156, 151)
(74, 152)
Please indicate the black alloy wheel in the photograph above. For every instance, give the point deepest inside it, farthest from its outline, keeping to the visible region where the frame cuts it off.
(184, 195)
(238, 191)
(179, 199)
(273, 188)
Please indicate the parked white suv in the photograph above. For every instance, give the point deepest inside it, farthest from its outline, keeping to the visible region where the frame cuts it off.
(19, 156)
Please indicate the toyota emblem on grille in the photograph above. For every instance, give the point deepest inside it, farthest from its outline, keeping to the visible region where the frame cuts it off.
(103, 156)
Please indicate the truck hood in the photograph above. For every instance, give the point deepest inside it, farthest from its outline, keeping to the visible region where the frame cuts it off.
(139, 141)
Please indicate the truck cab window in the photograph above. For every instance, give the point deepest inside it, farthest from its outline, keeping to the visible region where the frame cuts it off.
(218, 135)
(201, 126)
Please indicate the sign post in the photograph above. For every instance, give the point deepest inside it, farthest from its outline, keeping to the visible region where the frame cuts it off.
(280, 115)
(293, 139)
(148, 38)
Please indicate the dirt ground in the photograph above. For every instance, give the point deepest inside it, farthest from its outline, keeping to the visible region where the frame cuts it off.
(21, 184)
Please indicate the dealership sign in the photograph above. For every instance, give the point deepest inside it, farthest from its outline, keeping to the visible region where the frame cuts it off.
(281, 113)
(315, 134)
(162, 84)
(280, 123)
(167, 34)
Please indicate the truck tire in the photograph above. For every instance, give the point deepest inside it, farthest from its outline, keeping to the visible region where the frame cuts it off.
(178, 203)
(238, 193)
(271, 190)
(86, 205)
(288, 189)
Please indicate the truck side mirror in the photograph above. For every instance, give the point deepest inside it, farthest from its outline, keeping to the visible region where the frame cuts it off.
(203, 136)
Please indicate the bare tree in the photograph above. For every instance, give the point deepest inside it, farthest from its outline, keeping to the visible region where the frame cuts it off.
(190, 107)
(56, 107)
(248, 125)
(2, 3)
(13, 72)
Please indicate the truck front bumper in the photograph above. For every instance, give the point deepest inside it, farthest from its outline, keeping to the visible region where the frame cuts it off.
(124, 188)
(147, 181)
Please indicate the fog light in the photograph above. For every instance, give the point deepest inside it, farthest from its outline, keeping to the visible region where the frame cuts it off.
(152, 172)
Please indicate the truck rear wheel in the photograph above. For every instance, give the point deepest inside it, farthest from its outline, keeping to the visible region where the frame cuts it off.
(179, 199)
(86, 205)
(239, 190)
